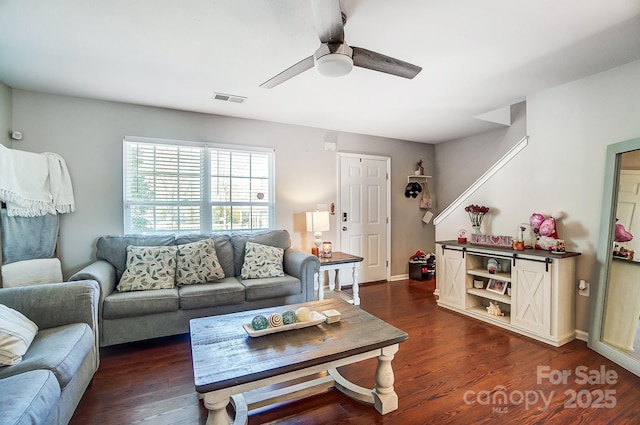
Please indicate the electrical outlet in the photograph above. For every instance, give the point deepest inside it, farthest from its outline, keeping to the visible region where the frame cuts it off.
(584, 292)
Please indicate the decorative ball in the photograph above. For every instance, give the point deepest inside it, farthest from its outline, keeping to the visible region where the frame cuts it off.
(303, 314)
(259, 323)
(289, 317)
(275, 320)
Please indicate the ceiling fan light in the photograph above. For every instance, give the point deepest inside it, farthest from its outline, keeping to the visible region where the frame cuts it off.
(334, 65)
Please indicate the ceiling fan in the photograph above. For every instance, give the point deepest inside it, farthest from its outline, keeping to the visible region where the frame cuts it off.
(334, 58)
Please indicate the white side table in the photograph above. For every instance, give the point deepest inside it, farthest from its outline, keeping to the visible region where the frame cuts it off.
(339, 260)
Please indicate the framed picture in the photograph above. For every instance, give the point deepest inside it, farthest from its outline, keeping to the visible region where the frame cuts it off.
(498, 286)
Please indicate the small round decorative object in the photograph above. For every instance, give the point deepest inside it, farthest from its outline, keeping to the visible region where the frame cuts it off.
(303, 314)
(259, 323)
(289, 317)
(275, 320)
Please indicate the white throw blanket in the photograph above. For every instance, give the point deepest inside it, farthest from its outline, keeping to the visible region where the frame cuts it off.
(34, 184)
(60, 184)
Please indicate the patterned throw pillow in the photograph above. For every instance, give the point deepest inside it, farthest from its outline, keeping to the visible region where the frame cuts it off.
(149, 267)
(262, 261)
(198, 263)
(16, 335)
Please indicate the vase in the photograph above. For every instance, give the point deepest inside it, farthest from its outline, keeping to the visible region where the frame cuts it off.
(476, 230)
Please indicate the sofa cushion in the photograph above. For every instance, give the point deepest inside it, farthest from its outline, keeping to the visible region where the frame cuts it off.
(262, 261)
(34, 398)
(149, 267)
(113, 248)
(278, 238)
(31, 272)
(226, 291)
(224, 249)
(197, 262)
(139, 303)
(271, 287)
(60, 350)
(16, 334)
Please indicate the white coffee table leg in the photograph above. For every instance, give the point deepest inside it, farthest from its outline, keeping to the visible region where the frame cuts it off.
(216, 402)
(385, 399)
(356, 289)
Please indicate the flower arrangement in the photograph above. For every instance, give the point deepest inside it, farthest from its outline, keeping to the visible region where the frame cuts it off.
(476, 214)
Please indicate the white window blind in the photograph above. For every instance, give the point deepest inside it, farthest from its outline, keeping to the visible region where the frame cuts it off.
(172, 187)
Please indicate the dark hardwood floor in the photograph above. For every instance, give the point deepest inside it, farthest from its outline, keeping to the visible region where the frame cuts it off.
(451, 370)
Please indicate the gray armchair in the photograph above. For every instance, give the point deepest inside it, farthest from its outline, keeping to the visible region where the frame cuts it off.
(60, 363)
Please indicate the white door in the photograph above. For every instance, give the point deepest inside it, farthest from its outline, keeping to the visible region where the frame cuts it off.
(628, 210)
(363, 213)
(451, 278)
(531, 296)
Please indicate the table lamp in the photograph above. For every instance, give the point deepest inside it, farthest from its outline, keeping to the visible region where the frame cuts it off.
(317, 222)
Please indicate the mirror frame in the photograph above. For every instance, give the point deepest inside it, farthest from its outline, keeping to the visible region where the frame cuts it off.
(605, 256)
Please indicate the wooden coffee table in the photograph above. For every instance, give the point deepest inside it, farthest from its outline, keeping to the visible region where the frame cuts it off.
(231, 366)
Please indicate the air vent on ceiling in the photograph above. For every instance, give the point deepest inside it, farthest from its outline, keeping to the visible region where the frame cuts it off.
(229, 97)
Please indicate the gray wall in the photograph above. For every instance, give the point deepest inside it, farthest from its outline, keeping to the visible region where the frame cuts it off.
(460, 162)
(5, 114)
(88, 134)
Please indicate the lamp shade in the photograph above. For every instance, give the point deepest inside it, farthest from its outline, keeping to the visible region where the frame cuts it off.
(318, 221)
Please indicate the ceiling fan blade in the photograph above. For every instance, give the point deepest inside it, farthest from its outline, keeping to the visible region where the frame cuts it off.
(299, 68)
(378, 62)
(327, 16)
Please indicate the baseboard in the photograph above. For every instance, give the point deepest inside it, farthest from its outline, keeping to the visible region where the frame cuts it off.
(399, 277)
(582, 335)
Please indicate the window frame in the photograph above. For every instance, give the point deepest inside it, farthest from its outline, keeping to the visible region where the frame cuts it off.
(206, 204)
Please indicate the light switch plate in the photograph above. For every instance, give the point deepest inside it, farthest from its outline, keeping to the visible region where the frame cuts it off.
(584, 292)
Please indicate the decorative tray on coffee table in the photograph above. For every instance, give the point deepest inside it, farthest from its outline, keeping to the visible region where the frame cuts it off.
(316, 319)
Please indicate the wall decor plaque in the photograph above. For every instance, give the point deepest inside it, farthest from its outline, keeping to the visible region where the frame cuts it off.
(491, 240)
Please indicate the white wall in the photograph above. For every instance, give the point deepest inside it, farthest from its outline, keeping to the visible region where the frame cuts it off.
(5, 114)
(562, 168)
(88, 134)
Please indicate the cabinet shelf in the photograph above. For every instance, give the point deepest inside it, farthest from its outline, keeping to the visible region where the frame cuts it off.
(506, 277)
(481, 311)
(506, 299)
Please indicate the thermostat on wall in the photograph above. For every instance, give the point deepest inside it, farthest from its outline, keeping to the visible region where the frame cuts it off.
(15, 135)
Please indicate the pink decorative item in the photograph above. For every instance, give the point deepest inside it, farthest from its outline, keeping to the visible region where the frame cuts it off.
(491, 240)
(548, 228)
(535, 221)
(621, 234)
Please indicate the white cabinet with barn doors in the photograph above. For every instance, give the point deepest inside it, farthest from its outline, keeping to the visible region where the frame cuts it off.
(534, 289)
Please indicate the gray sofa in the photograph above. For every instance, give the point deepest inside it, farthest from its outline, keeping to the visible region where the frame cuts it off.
(138, 315)
(47, 385)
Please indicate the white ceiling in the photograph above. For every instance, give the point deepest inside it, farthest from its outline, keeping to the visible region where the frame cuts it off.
(477, 56)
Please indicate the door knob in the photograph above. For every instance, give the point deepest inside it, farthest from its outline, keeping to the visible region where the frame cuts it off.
(344, 228)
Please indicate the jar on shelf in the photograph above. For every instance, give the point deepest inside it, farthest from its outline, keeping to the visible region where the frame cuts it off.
(326, 249)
